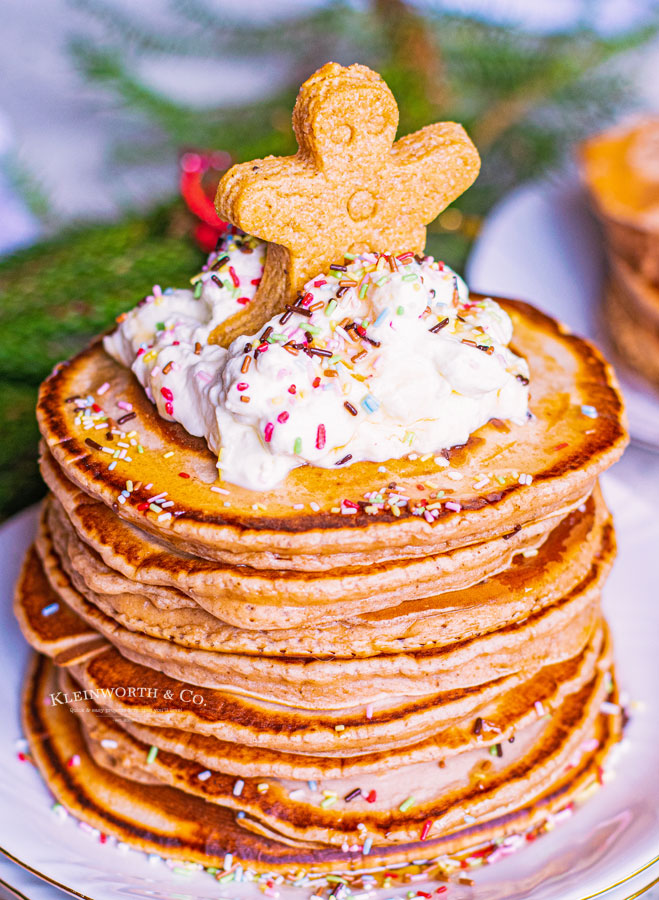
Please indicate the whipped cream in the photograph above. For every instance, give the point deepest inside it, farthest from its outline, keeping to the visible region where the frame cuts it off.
(382, 357)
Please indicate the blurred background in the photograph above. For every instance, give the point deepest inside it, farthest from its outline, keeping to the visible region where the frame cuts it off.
(117, 119)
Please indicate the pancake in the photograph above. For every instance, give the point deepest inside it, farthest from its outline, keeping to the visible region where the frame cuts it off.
(631, 310)
(502, 717)
(560, 448)
(530, 583)
(620, 171)
(560, 563)
(521, 647)
(168, 821)
(441, 793)
(155, 699)
(252, 598)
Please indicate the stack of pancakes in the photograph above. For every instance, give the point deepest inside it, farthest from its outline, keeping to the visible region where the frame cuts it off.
(620, 168)
(365, 666)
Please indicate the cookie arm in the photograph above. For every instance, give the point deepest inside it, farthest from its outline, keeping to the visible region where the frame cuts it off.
(439, 163)
(264, 198)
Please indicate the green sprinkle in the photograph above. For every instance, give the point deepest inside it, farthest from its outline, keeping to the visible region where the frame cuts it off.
(154, 508)
(160, 326)
(198, 288)
(331, 306)
(410, 277)
(212, 870)
(153, 752)
(334, 359)
(297, 446)
(140, 448)
(275, 338)
(336, 879)
(362, 290)
(181, 871)
(348, 256)
(400, 310)
(406, 804)
(226, 878)
(327, 802)
(312, 329)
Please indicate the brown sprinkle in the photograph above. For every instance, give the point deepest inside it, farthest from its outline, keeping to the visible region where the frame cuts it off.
(126, 418)
(330, 373)
(92, 444)
(351, 409)
(247, 361)
(300, 310)
(439, 326)
(244, 399)
(197, 348)
(358, 356)
(168, 368)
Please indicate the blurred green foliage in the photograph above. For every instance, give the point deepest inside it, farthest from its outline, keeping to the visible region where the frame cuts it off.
(524, 98)
(54, 297)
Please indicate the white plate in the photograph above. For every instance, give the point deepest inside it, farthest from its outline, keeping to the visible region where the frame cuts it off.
(611, 838)
(541, 244)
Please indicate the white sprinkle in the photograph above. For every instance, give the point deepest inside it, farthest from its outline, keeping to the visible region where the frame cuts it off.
(610, 709)
(164, 517)
(456, 476)
(228, 862)
(204, 776)
(109, 744)
(297, 794)
(369, 710)
(314, 506)
(103, 388)
(238, 787)
(539, 708)
(218, 490)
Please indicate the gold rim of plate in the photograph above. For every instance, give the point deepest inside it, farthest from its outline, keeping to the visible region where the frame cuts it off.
(73, 892)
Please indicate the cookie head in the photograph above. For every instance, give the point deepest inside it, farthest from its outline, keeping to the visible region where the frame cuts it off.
(345, 116)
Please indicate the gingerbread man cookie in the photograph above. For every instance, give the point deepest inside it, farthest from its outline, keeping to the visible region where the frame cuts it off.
(349, 188)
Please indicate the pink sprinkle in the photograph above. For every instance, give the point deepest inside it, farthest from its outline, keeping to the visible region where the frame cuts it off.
(103, 388)
(167, 394)
(453, 506)
(157, 290)
(140, 351)
(122, 404)
(267, 432)
(350, 504)
(320, 437)
(256, 281)
(319, 283)
(369, 710)
(234, 277)
(73, 761)
(243, 301)
(242, 386)
(282, 417)
(292, 389)
(169, 408)
(203, 376)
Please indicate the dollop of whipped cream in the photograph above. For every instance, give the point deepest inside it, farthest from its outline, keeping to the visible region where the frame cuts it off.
(381, 357)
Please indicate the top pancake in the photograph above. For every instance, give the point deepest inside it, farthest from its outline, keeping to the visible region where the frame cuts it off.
(561, 448)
